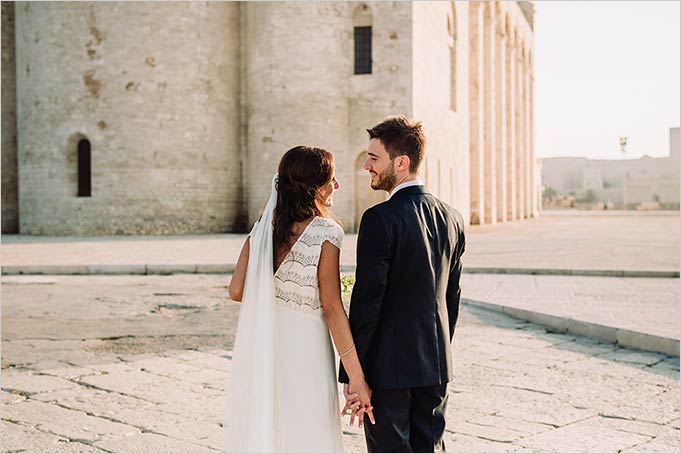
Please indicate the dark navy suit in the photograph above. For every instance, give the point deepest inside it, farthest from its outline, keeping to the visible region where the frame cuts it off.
(403, 310)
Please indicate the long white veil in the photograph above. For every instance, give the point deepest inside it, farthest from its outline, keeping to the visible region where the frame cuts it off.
(251, 416)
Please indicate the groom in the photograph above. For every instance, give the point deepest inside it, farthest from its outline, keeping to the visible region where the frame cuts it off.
(405, 301)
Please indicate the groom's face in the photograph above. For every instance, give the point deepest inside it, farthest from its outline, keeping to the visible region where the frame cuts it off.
(380, 166)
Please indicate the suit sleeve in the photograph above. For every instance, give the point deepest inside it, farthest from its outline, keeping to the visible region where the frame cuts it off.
(373, 262)
(453, 285)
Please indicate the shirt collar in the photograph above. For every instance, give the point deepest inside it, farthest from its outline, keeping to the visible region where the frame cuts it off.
(406, 184)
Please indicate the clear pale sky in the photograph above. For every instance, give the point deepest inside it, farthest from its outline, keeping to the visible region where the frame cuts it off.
(606, 69)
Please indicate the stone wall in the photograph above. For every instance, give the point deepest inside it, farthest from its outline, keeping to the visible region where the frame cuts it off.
(372, 97)
(301, 89)
(440, 33)
(188, 108)
(10, 204)
(154, 87)
(296, 88)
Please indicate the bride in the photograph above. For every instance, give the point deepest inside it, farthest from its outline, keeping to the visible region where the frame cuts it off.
(282, 392)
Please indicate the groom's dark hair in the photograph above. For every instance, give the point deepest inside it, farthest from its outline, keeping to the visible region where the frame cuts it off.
(401, 136)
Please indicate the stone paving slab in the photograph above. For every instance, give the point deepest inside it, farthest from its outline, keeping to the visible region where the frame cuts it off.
(64, 422)
(658, 444)
(588, 435)
(609, 309)
(34, 384)
(640, 313)
(517, 388)
(152, 444)
(19, 438)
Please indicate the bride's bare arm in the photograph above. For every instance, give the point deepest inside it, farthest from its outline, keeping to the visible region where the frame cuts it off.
(328, 274)
(236, 286)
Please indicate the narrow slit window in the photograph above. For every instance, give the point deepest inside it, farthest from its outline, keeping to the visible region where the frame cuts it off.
(84, 173)
(363, 50)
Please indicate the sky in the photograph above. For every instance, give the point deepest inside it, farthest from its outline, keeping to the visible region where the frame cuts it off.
(603, 70)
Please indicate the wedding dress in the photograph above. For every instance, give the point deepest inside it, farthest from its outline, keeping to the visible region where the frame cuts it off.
(282, 392)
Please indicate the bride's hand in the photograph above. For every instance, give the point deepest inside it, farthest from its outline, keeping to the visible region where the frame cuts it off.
(351, 401)
(363, 392)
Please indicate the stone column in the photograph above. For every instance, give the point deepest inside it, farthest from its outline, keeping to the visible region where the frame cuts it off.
(476, 98)
(490, 115)
(501, 120)
(511, 205)
(520, 152)
(536, 199)
(529, 163)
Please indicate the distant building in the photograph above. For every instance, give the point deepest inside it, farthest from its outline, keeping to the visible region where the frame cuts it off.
(170, 117)
(648, 180)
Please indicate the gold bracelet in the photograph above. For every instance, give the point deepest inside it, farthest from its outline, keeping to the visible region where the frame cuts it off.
(347, 351)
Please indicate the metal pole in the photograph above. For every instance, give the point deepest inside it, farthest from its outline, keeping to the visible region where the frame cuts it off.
(623, 147)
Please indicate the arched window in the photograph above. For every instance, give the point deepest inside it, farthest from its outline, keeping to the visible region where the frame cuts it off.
(84, 166)
(451, 30)
(361, 20)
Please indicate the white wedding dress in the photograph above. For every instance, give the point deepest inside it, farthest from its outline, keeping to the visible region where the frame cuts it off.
(309, 387)
(282, 393)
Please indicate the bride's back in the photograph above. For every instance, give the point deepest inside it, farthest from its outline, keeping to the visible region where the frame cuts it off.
(295, 279)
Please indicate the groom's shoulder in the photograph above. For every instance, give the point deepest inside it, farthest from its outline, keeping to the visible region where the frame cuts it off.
(376, 214)
(449, 211)
(454, 214)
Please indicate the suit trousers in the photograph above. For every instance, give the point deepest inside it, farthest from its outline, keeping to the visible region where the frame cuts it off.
(407, 420)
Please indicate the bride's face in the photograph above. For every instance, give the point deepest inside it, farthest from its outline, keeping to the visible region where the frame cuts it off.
(325, 193)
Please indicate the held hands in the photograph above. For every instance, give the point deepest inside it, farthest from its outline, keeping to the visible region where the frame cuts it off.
(358, 402)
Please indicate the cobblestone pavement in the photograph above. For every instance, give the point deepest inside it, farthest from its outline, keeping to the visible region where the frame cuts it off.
(140, 364)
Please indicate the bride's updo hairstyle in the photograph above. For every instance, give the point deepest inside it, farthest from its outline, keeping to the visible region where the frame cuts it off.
(302, 171)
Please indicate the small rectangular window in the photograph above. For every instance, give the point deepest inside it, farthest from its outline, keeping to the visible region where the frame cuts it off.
(362, 50)
(84, 169)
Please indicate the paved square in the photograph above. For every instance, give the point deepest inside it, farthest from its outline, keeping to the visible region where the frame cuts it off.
(91, 364)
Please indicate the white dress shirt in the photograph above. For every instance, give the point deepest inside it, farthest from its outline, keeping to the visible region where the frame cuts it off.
(406, 184)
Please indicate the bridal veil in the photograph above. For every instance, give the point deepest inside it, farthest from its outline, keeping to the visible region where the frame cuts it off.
(251, 391)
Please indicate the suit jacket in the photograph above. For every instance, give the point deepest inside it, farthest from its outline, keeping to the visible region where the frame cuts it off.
(405, 301)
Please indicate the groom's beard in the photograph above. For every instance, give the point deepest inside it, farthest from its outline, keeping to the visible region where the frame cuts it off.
(385, 180)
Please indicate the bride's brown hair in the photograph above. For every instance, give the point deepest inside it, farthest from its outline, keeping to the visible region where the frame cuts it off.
(302, 171)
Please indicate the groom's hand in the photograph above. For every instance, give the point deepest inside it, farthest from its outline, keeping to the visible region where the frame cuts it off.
(362, 406)
(365, 410)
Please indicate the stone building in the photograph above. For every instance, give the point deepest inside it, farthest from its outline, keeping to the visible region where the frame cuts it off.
(636, 182)
(171, 117)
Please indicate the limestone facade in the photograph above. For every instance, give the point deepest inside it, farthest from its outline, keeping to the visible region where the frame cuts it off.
(186, 108)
